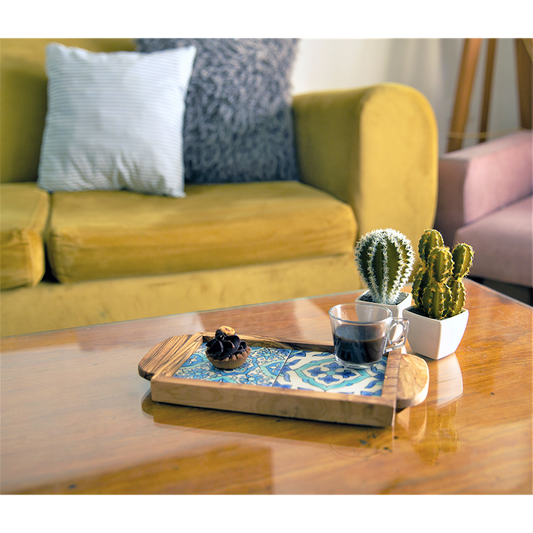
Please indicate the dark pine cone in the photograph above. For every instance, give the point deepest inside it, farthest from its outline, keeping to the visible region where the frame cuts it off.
(224, 346)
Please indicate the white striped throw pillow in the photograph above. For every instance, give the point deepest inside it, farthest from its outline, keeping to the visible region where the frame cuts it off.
(115, 120)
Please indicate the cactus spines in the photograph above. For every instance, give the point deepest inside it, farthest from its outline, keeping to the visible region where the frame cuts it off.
(463, 255)
(384, 259)
(438, 289)
(430, 239)
(458, 294)
(436, 296)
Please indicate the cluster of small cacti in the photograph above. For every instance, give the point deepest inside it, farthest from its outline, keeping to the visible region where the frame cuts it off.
(384, 259)
(438, 290)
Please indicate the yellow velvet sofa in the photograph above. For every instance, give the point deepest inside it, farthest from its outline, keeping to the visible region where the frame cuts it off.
(367, 159)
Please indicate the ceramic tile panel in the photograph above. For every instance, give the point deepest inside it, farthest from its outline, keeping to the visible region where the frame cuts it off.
(289, 369)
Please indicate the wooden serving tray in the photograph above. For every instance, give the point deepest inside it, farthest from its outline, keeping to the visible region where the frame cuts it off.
(285, 378)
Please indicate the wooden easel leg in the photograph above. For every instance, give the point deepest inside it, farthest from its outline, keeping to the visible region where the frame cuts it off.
(524, 68)
(483, 128)
(464, 90)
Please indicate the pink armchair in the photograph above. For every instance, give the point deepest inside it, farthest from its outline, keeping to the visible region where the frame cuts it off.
(485, 199)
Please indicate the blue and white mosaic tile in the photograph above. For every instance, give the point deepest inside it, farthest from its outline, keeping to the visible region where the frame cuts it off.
(261, 368)
(290, 369)
(321, 372)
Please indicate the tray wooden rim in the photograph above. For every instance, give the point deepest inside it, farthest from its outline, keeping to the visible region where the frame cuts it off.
(161, 363)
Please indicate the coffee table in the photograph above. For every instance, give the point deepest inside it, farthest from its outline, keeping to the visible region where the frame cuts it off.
(77, 417)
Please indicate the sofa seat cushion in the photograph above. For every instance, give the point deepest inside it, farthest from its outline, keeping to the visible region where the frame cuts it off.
(503, 244)
(111, 234)
(24, 212)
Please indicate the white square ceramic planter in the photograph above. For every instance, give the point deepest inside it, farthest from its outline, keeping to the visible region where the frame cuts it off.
(435, 338)
(396, 310)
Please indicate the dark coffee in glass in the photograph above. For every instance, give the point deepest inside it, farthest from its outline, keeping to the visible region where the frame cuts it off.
(350, 347)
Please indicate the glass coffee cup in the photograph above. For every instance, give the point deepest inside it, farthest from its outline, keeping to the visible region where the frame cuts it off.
(362, 334)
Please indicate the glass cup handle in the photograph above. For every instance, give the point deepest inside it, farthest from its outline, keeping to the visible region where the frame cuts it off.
(400, 341)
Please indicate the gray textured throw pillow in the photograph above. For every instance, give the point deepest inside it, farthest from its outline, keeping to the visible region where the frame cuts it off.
(238, 123)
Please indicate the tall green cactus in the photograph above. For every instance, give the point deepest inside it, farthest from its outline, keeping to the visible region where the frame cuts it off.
(384, 259)
(438, 289)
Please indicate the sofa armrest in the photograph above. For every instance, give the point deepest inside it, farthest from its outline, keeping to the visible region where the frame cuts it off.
(375, 148)
(480, 179)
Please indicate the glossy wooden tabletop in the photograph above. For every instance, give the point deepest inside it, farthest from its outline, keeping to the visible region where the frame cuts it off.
(77, 417)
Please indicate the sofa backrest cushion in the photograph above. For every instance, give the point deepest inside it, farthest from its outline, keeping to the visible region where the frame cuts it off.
(23, 100)
(238, 123)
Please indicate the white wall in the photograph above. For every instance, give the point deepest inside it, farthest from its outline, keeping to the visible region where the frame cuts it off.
(429, 65)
